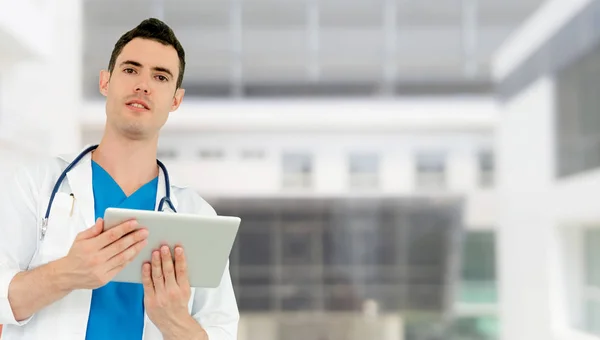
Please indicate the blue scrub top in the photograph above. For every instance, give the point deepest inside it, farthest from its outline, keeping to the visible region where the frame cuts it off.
(117, 309)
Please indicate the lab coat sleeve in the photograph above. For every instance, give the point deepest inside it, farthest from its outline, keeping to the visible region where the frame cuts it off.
(216, 309)
(18, 234)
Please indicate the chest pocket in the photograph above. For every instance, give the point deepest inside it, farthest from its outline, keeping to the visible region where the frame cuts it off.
(60, 231)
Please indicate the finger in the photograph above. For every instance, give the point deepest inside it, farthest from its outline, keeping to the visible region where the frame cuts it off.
(113, 234)
(181, 267)
(147, 280)
(168, 268)
(124, 243)
(157, 273)
(123, 258)
(91, 232)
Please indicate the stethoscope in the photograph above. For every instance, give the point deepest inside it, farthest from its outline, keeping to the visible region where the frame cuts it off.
(61, 178)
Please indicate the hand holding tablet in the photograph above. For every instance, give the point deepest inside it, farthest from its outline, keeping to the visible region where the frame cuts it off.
(206, 241)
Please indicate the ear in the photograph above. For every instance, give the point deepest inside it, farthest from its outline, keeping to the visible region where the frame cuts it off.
(177, 98)
(104, 80)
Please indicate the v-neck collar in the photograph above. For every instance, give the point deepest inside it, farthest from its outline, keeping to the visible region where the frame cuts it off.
(80, 181)
(109, 193)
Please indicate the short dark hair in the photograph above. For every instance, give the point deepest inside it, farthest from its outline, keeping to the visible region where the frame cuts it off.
(153, 29)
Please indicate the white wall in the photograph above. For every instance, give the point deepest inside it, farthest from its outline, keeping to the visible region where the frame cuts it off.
(24, 31)
(526, 224)
(234, 176)
(40, 97)
(380, 116)
(540, 216)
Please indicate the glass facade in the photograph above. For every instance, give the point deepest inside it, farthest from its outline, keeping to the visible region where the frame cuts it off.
(331, 256)
(577, 116)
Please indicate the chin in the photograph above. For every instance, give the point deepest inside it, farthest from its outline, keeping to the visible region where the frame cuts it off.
(134, 130)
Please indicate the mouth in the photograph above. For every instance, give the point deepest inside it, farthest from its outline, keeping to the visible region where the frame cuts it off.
(138, 105)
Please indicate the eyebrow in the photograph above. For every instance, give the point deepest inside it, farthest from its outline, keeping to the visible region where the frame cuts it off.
(156, 68)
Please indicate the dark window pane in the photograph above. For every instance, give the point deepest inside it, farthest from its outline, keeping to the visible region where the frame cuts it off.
(343, 297)
(255, 248)
(262, 281)
(337, 247)
(479, 256)
(253, 303)
(297, 247)
(386, 249)
(297, 298)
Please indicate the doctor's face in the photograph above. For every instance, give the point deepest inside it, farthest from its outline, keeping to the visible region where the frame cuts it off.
(141, 90)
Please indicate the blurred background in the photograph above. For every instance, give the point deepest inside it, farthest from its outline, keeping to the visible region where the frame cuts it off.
(404, 169)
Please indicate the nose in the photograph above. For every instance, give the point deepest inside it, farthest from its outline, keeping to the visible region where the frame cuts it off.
(142, 87)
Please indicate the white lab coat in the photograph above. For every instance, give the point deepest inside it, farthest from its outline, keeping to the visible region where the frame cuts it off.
(23, 202)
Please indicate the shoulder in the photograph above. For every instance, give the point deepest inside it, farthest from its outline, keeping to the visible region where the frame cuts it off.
(191, 201)
(34, 173)
(27, 181)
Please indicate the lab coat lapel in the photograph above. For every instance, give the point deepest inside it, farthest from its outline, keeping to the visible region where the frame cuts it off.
(80, 181)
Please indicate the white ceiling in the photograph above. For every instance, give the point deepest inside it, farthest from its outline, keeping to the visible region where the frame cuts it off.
(357, 45)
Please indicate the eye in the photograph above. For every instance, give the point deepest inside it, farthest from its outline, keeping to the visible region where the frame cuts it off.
(161, 78)
(129, 70)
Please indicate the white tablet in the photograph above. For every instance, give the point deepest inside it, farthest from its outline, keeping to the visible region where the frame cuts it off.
(207, 242)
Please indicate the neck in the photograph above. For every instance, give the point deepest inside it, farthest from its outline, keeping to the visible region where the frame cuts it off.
(131, 163)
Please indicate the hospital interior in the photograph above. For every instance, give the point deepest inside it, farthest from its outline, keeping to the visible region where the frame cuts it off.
(403, 169)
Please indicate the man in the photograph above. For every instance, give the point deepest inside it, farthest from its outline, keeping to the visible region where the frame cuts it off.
(55, 277)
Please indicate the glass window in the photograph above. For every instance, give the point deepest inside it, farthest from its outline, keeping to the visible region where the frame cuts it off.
(297, 171)
(333, 254)
(475, 328)
(591, 288)
(486, 168)
(479, 268)
(364, 170)
(211, 154)
(431, 170)
(166, 154)
(592, 257)
(578, 119)
(253, 154)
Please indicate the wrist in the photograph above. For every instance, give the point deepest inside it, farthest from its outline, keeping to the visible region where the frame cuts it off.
(59, 276)
(184, 327)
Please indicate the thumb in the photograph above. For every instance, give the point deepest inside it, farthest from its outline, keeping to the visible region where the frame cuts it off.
(93, 231)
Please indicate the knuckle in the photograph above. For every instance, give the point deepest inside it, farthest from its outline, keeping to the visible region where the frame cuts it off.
(173, 294)
(94, 260)
(124, 243)
(131, 253)
(139, 236)
(122, 257)
(113, 235)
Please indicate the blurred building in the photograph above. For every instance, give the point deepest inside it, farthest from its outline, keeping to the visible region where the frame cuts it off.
(548, 158)
(395, 211)
(411, 170)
